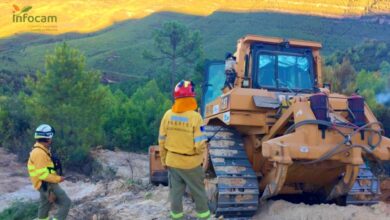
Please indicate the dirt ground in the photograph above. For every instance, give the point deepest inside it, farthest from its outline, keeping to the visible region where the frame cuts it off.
(126, 194)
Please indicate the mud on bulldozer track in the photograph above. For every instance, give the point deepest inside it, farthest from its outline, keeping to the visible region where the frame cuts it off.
(231, 184)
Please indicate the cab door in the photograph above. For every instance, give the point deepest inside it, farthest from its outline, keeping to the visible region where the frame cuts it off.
(214, 82)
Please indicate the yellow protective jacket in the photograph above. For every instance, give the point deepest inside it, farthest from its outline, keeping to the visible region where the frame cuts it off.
(181, 140)
(40, 166)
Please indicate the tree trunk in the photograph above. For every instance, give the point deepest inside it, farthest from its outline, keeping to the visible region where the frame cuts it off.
(173, 71)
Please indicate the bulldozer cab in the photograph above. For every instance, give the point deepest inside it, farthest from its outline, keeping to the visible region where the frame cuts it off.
(273, 64)
(268, 63)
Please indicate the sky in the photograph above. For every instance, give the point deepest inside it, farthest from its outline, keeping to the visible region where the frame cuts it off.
(21, 16)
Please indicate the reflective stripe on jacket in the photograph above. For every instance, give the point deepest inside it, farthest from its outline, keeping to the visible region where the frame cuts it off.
(181, 139)
(40, 166)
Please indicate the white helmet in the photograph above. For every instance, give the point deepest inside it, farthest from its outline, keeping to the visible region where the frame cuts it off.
(44, 131)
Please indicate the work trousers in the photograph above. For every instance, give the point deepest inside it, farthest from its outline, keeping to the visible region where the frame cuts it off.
(62, 201)
(194, 180)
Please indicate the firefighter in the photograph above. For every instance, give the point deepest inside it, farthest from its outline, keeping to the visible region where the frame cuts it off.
(230, 72)
(182, 143)
(44, 177)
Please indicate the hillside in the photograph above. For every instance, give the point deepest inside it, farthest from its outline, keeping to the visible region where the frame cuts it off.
(100, 14)
(119, 48)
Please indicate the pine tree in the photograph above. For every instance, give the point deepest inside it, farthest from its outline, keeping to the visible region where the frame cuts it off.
(178, 49)
(71, 99)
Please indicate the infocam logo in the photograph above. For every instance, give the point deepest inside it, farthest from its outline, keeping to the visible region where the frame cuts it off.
(22, 16)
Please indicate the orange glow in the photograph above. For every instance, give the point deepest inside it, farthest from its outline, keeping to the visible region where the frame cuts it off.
(88, 16)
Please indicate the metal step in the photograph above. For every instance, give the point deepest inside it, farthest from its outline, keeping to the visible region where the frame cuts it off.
(231, 162)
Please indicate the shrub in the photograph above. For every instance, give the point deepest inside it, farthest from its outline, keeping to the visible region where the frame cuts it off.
(20, 210)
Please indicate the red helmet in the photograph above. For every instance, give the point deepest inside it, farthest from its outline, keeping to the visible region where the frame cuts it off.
(184, 89)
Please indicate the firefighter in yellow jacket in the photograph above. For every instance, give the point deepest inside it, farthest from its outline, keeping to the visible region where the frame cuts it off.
(182, 143)
(44, 177)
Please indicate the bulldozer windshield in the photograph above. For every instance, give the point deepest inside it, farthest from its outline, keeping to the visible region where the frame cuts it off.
(284, 71)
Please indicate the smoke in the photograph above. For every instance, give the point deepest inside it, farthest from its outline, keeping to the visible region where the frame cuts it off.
(383, 98)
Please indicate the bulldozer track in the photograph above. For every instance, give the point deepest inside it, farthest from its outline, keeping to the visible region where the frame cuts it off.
(366, 189)
(231, 183)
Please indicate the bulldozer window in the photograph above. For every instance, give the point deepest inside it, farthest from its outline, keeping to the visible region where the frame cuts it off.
(267, 73)
(214, 82)
(284, 71)
(294, 72)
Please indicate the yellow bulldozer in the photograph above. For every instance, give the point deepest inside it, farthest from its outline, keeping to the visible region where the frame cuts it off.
(276, 129)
